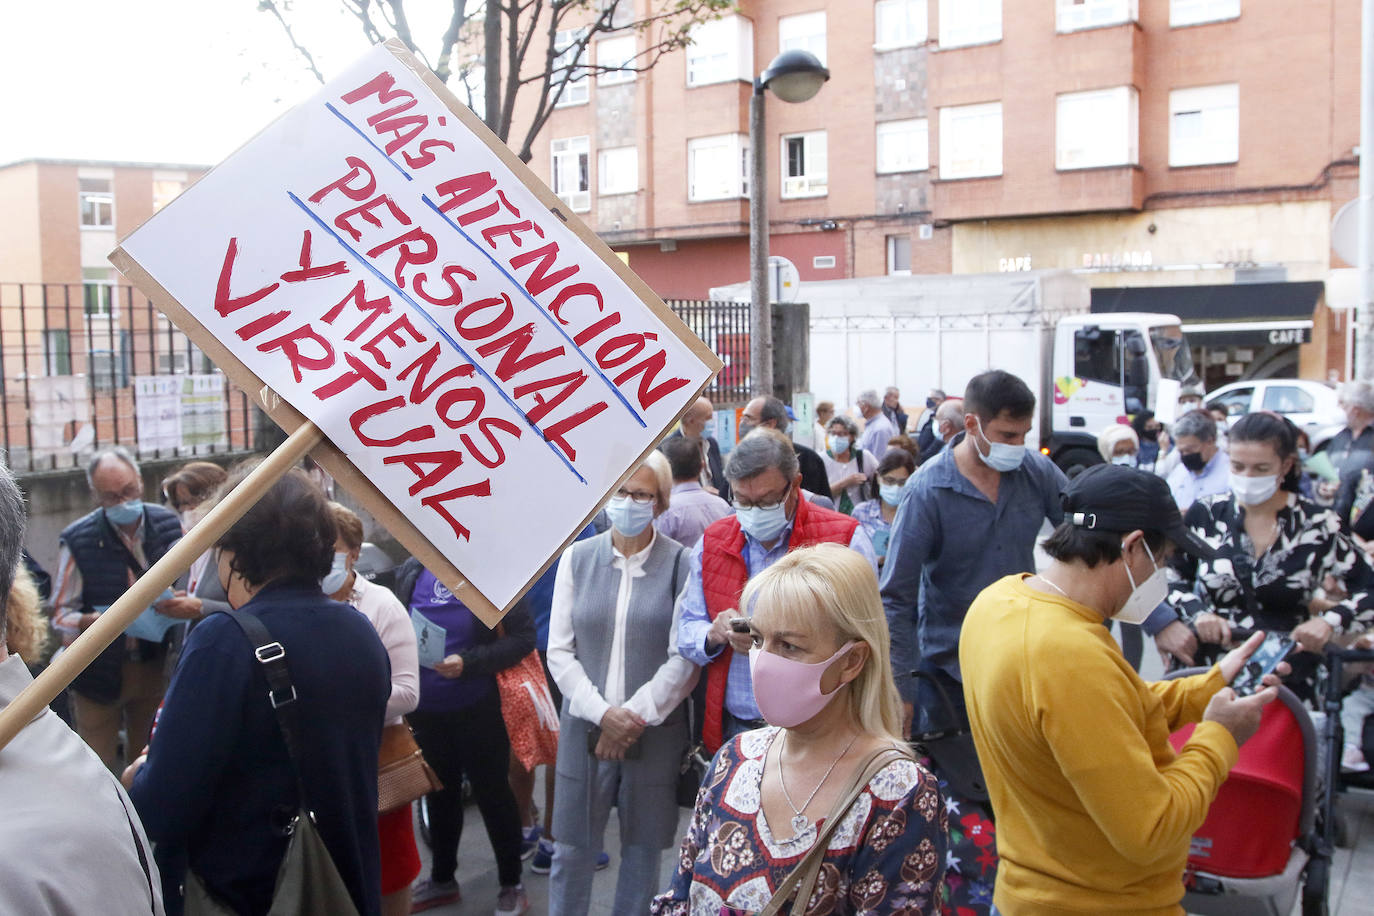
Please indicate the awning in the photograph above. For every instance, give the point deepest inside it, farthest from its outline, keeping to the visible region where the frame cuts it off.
(1235, 314)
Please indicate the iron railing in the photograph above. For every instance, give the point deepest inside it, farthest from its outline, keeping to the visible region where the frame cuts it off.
(725, 328)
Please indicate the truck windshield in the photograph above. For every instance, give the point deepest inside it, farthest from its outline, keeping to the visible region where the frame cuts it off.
(1174, 355)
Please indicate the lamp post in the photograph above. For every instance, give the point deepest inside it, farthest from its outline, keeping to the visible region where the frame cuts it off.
(794, 76)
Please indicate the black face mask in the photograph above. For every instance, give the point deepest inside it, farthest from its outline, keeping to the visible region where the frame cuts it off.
(1150, 435)
(930, 402)
(1193, 461)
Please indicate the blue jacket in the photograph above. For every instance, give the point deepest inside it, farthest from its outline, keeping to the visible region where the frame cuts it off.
(104, 563)
(218, 777)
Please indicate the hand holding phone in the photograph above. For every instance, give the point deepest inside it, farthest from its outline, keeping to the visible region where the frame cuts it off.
(739, 625)
(1263, 661)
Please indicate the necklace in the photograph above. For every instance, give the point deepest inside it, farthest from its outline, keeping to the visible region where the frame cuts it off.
(1042, 578)
(799, 820)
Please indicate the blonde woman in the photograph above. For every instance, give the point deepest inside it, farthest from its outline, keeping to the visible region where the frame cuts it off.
(823, 680)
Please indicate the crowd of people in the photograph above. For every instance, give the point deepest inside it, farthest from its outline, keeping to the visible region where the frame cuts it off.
(804, 617)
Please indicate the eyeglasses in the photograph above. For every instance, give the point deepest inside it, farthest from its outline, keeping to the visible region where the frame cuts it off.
(109, 500)
(638, 496)
(770, 503)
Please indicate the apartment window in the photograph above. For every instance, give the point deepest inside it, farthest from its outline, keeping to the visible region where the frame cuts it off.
(721, 50)
(571, 178)
(1097, 128)
(622, 11)
(970, 22)
(617, 170)
(1204, 125)
(899, 23)
(971, 141)
(903, 146)
(804, 165)
(1192, 12)
(97, 287)
(898, 255)
(616, 52)
(1072, 15)
(97, 203)
(570, 51)
(718, 167)
(57, 352)
(166, 190)
(804, 32)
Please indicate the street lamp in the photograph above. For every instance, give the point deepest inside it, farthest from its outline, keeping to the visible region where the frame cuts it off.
(794, 76)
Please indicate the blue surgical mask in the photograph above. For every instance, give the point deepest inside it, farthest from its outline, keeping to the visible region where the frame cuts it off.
(762, 523)
(1000, 456)
(709, 430)
(891, 493)
(337, 575)
(839, 445)
(125, 513)
(1124, 460)
(1302, 455)
(629, 517)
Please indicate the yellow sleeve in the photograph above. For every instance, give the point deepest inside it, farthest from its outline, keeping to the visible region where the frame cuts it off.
(1098, 739)
(1185, 699)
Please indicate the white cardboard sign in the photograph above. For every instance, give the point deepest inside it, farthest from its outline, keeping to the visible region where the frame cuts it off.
(384, 264)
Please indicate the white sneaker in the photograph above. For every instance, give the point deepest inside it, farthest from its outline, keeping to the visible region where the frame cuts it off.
(512, 901)
(1352, 760)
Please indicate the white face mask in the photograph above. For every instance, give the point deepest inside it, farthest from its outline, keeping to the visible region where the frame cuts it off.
(1000, 456)
(1124, 460)
(1146, 596)
(337, 575)
(1251, 491)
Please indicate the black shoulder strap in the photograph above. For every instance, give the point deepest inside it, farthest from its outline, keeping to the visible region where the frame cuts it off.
(281, 693)
(142, 853)
(677, 565)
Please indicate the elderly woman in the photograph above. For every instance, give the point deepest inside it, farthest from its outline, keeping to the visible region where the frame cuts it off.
(1118, 444)
(823, 681)
(876, 515)
(848, 467)
(395, 831)
(216, 783)
(1274, 550)
(623, 730)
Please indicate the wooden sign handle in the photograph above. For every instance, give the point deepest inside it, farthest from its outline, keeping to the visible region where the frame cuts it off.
(110, 625)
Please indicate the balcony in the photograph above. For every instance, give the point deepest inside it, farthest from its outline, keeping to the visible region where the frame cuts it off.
(1070, 191)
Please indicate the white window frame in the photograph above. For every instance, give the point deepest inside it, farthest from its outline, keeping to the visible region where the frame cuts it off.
(814, 181)
(803, 32)
(721, 51)
(892, 244)
(900, 24)
(954, 163)
(1196, 12)
(1077, 15)
(970, 22)
(1097, 128)
(570, 163)
(719, 181)
(1211, 133)
(617, 171)
(902, 146)
(577, 90)
(611, 52)
(101, 202)
(98, 292)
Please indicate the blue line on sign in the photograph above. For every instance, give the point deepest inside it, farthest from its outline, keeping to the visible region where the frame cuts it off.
(539, 308)
(434, 324)
(370, 142)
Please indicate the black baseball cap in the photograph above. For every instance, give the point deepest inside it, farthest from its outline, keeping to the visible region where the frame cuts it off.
(1117, 499)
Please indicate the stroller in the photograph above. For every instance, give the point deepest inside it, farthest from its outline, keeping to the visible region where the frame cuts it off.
(1271, 831)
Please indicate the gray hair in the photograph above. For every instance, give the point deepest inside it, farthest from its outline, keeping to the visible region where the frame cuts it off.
(114, 451)
(757, 452)
(850, 427)
(12, 521)
(892, 389)
(951, 409)
(775, 409)
(869, 398)
(1358, 393)
(1198, 424)
(939, 393)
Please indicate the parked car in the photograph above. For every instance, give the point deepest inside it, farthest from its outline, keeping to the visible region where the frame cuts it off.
(1310, 405)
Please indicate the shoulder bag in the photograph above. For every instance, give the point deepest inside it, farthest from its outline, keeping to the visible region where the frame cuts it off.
(308, 882)
(800, 883)
(403, 775)
(952, 753)
(527, 708)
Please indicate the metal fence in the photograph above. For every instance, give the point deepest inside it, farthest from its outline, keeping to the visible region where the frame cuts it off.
(86, 365)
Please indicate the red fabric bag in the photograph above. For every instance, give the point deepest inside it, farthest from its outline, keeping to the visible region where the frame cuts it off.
(527, 706)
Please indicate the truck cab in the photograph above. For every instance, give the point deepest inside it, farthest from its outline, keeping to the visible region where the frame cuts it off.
(1106, 368)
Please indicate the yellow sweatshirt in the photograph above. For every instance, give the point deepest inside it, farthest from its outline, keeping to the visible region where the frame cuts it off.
(1094, 808)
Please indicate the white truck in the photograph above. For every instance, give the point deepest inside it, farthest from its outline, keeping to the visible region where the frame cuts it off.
(1087, 370)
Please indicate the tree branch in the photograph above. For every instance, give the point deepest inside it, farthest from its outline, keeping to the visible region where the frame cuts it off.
(268, 6)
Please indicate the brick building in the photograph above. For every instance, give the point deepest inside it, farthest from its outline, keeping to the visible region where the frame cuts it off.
(1150, 146)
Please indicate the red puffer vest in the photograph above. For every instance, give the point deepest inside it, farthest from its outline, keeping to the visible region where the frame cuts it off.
(723, 575)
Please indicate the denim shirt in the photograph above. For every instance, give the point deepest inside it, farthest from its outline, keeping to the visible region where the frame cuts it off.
(949, 542)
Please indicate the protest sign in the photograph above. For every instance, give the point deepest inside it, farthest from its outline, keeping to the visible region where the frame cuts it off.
(486, 370)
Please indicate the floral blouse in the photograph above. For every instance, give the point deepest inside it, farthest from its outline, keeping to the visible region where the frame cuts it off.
(886, 857)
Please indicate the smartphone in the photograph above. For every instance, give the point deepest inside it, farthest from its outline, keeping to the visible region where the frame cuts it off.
(739, 625)
(1273, 650)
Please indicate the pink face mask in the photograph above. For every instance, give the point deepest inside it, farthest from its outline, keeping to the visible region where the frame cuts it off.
(789, 692)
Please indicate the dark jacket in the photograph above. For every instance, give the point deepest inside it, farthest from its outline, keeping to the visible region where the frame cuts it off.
(104, 563)
(491, 653)
(814, 477)
(218, 776)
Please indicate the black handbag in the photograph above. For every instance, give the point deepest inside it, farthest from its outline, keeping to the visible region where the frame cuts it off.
(308, 881)
(692, 771)
(951, 752)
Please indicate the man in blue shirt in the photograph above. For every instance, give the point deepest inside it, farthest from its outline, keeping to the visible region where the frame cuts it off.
(969, 517)
(1203, 468)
